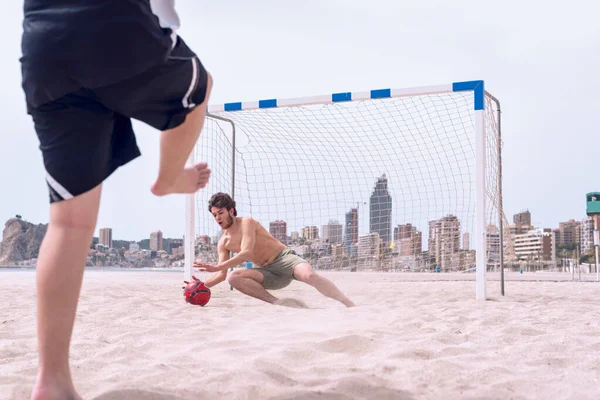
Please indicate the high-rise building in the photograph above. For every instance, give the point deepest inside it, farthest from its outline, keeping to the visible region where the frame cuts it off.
(156, 241)
(278, 229)
(174, 246)
(519, 229)
(369, 245)
(522, 218)
(493, 244)
(534, 245)
(432, 239)
(332, 232)
(380, 216)
(403, 231)
(351, 232)
(337, 250)
(105, 238)
(166, 245)
(444, 242)
(310, 232)
(465, 240)
(408, 240)
(294, 236)
(521, 224)
(569, 232)
(417, 242)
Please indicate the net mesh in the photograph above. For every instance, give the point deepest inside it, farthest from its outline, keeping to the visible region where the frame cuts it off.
(378, 184)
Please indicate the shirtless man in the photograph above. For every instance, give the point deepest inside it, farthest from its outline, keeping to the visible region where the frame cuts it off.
(278, 265)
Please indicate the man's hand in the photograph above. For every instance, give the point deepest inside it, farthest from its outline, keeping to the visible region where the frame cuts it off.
(206, 267)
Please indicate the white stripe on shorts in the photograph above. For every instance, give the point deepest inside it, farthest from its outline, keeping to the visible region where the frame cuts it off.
(58, 188)
(193, 84)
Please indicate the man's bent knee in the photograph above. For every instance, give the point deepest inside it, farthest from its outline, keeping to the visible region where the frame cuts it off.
(239, 275)
(309, 277)
(304, 273)
(233, 278)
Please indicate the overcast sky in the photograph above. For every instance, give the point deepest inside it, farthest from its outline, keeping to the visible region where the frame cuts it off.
(540, 58)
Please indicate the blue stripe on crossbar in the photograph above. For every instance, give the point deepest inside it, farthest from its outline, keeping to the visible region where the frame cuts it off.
(267, 103)
(381, 93)
(346, 96)
(233, 106)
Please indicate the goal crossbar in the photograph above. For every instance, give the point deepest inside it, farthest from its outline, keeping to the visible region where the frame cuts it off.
(476, 86)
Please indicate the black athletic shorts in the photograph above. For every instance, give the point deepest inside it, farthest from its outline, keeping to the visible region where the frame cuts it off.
(87, 134)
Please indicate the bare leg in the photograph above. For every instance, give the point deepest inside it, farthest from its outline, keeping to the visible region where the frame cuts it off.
(59, 274)
(305, 273)
(175, 147)
(249, 283)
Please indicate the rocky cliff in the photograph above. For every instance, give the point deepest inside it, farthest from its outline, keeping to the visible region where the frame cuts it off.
(21, 240)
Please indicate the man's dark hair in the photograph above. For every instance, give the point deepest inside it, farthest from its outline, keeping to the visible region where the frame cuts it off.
(222, 200)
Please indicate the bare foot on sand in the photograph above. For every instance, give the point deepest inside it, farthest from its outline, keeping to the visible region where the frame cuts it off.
(53, 392)
(349, 303)
(191, 180)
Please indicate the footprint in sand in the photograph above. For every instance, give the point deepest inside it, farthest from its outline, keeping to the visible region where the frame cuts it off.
(135, 394)
(294, 303)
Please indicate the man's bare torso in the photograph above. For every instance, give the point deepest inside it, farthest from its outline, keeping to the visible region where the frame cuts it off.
(266, 247)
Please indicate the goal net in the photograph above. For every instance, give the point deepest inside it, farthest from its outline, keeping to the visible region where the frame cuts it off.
(385, 180)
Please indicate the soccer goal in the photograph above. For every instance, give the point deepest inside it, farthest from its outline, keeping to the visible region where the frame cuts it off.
(404, 180)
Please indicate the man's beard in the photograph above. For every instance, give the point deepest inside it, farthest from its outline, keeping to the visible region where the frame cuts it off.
(228, 223)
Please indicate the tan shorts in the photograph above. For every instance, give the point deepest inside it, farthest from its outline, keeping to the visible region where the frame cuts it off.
(280, 273)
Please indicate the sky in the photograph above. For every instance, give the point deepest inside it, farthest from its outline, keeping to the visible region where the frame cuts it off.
(540, 59)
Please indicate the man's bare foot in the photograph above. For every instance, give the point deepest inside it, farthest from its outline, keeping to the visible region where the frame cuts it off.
(349, 303)
(52, 392)
(191, 180)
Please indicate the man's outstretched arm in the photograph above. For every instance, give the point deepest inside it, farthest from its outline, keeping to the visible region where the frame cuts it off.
(219, 276)
(216, 278)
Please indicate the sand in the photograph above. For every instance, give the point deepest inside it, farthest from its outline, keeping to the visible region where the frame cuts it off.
(413, 336)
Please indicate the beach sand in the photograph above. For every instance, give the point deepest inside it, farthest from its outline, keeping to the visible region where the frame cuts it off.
(413, 336)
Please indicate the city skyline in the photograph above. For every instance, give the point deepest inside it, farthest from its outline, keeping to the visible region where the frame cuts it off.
(526, 243)
(447, 243)
(536, 223)
(567, 232)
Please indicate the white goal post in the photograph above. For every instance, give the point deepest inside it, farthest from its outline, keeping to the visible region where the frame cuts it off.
(388, 179)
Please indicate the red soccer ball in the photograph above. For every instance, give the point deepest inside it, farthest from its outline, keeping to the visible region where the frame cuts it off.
(196, 292)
